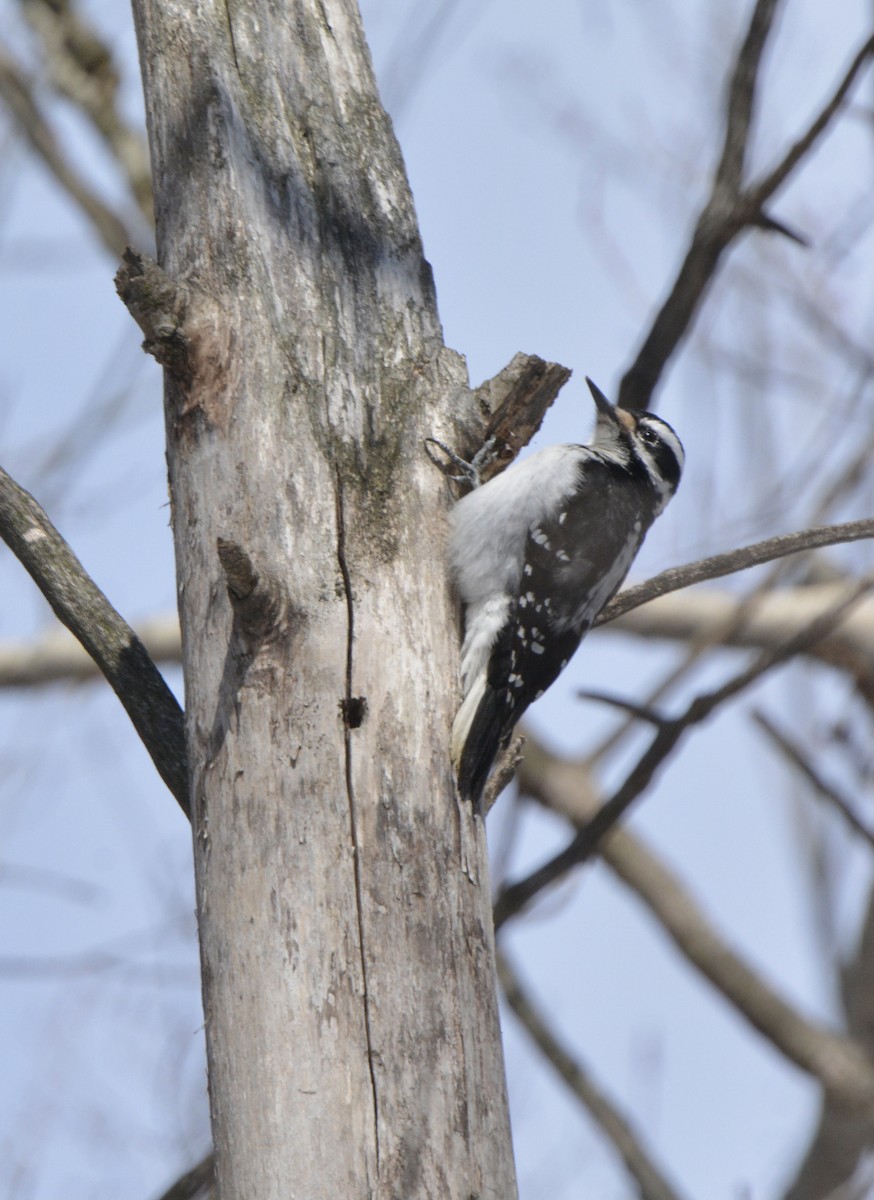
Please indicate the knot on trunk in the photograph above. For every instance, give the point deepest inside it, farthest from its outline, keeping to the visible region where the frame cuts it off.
(159, 306)
(259, 601)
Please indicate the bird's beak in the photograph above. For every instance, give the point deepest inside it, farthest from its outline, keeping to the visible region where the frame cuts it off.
(607, 412)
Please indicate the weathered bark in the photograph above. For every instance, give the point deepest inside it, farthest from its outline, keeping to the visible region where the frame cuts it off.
(352, 1031)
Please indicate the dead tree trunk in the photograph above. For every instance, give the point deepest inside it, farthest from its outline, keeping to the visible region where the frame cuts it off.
(352, 1031)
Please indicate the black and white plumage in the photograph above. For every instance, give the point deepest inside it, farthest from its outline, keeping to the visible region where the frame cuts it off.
(536, 554)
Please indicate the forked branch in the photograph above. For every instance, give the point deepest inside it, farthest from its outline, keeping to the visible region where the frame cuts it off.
(733, 205)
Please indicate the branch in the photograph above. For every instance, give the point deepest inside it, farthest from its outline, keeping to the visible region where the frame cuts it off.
(649, 1178)
(735, 560)
(196, 1184)
(765, 188)
(509, 408)
(794, 755)
(842, 1138)
(517, 399)
(715, 618)
(505, 769)
(81, 68)
(840, 1064)
(16, 92)
(160, 307)
(80, 605)
(16, 968)
(742, 97)
(515, 897)
(57, 657)
(729, 209)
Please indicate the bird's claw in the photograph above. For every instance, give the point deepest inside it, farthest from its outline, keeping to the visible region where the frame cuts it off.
(470, 472)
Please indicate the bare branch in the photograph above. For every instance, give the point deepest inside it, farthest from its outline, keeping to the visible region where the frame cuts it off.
(196, 1184)
(24, 967)
(48, 882)
(81, 68)
(843, 1137)
(717, 618)
(515, 897)
(648, 1176)
(742, 96)
(509, 409)
(508, 761)
(57, 657)
(760, 192)
(794, 754)
(16, 92)
(836, 1061)
(735, 560)
(730, 208)
(159, 306)
(80, 605)
(517, 399)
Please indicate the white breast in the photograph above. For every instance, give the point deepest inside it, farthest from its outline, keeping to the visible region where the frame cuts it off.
(489, 527)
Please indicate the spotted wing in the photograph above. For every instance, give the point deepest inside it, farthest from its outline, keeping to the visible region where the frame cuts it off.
(574, 563)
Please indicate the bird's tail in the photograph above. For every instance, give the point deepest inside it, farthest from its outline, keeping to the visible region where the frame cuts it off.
(476, 738)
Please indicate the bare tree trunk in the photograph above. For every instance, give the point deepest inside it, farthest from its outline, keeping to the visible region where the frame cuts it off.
(348, 966)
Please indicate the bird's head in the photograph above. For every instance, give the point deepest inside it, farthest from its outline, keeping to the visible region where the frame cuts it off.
(640, 442)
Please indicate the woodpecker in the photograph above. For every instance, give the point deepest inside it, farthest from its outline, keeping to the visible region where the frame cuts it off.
(536, 553)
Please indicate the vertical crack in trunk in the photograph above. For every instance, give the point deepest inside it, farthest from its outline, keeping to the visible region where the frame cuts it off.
(350, 795)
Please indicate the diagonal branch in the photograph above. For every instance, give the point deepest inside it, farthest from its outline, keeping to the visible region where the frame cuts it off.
(650, 1180)
(670, 732)
(735, 560)
(81, 68)
(80, 605)
(196, 1184)
(505, 412)
(17, 95)
(731, 207)
(699, 620)
(759, 192)
(794, 754)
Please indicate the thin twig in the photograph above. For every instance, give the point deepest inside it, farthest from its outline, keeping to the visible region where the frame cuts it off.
(735, 560)
(795, 755)
(648, 1176)
(80, 605)
(515, 897)
(759, 192)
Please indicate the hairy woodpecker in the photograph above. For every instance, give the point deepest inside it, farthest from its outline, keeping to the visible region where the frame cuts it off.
(536, 554)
